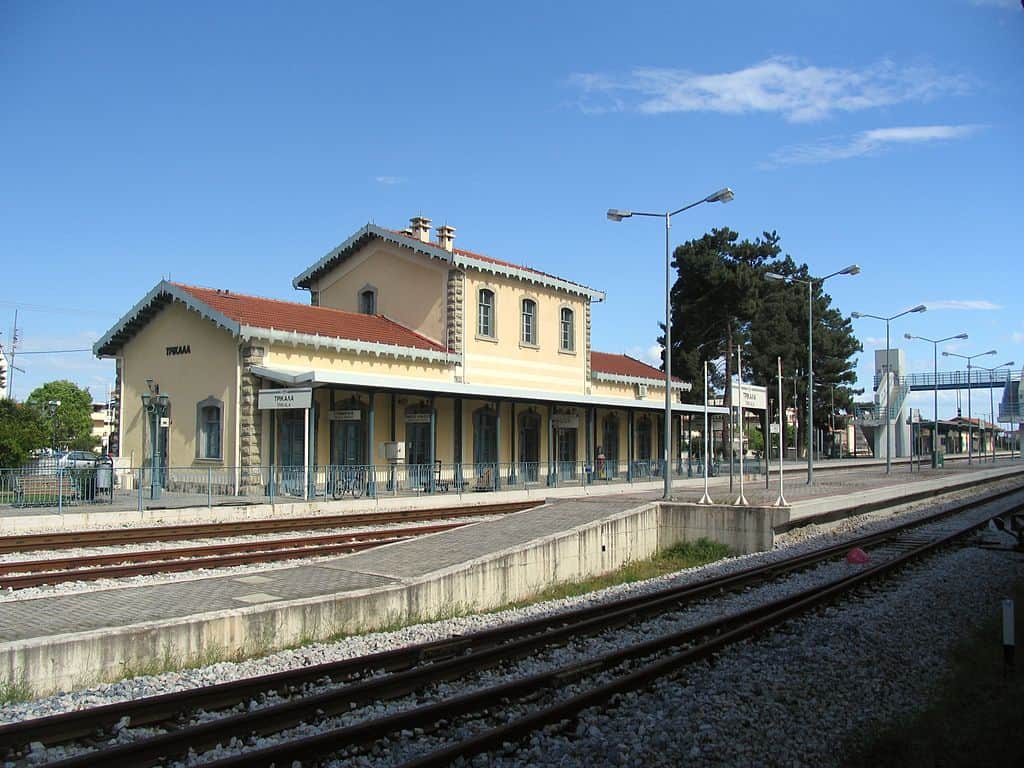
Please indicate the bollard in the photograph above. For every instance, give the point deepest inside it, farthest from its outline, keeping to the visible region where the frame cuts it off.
(1009, 646)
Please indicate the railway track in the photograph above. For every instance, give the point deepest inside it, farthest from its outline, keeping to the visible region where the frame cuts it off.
(408, 671)
(34, 573)
(115, 537)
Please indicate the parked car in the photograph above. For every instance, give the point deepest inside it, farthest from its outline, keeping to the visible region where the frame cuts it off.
(77, 459)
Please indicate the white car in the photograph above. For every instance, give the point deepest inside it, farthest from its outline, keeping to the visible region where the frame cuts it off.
(77, 459)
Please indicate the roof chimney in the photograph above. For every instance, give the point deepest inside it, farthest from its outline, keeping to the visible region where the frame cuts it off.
(446, 237)
(420, 227)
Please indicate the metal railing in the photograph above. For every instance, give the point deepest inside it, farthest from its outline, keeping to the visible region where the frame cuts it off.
(169, 487)
(980, 377)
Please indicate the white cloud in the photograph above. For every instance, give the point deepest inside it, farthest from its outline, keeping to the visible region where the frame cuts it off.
(966, 304)
(1017, 337)
(866, 143)
(1004, 4)
(782, 85)
(389, 180)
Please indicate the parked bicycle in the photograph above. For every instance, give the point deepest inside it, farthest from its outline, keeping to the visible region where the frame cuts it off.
(348, 480)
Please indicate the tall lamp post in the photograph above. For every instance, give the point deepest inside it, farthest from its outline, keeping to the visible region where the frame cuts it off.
(853, 269)
(991, 404)
(155, 406)
(51, 409)
(970, 422)
(935, 380)
(888, 369)
(721, 196)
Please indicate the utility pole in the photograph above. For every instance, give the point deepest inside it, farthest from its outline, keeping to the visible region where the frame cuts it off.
(14, 346)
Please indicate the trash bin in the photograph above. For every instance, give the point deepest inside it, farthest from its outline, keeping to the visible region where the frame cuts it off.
(104, 477)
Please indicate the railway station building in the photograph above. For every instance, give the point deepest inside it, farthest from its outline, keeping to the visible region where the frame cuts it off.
(412, 358)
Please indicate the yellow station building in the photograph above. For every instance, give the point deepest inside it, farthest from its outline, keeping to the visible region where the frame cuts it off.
(413, 358)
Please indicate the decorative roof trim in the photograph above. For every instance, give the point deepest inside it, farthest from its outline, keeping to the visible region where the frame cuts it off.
(461, 260)
(619, 378)
(108, 343)
(456, 258)
(306, 377)
(346, 345)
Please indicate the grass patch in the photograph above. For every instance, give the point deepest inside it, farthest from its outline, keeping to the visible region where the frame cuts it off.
(12, 692)
(686, 554)
(974, 719)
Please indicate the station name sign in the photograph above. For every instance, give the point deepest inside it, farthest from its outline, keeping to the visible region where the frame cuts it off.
(180, 349)
(754, 397)
(283, 399)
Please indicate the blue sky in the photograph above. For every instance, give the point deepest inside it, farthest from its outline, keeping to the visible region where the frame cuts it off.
(233, 144)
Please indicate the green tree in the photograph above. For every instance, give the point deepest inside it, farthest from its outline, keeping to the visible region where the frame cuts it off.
(21, 431)
(68, 425)
(755, 440)
(722, 299)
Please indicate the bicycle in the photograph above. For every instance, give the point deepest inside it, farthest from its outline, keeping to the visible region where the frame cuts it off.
(347, 480)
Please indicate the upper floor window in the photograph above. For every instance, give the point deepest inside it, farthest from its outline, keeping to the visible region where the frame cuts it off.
(368, 301)
(567, 324)
(208, 429)
(529, 322)
(485, 314)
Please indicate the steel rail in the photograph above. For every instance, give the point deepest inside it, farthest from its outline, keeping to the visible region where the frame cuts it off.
(710, 637)
(76, 568)
(546, 631)
(112, 537)
(750, 624)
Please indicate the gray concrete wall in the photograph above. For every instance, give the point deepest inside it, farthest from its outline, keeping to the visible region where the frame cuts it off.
(76, 660)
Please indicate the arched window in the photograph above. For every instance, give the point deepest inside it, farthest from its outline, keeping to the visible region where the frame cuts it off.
(208, 428)
(567, 331)
(368, 301)
(485, 313)
(529, 322)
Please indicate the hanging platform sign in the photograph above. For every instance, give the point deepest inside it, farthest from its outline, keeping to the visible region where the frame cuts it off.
(348, 414)
(417, 417)
(281, 399)
(565, 421)
(754, 397)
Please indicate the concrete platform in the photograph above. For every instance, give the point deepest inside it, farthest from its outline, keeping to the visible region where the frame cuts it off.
(69, 641)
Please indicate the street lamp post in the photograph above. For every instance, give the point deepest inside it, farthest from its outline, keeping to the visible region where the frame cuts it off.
(970, 422)
(853, 269)
(888, 370)
(935, 380)
(991, 404)
(155, 406)
(721, 196)
(51, 408)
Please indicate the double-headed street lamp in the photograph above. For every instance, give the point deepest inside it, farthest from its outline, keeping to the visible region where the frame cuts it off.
(935, 380)
(853, 269)
(970, 423)
(721, 196)
(991, 405)
(155, 406)
(888, 370)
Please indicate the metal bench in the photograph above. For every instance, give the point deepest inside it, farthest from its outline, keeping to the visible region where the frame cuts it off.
(44, 490)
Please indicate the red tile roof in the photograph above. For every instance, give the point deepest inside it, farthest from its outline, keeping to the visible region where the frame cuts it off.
(623, 365)
(492, 260)
(303, 318)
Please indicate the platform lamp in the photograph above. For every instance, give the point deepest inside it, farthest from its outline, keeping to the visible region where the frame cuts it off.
(935, 380)
(888, 368)
(991, 404)
(723, 195)
(155, 406)
(51, 409)
(853, 269)
(970, 422)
